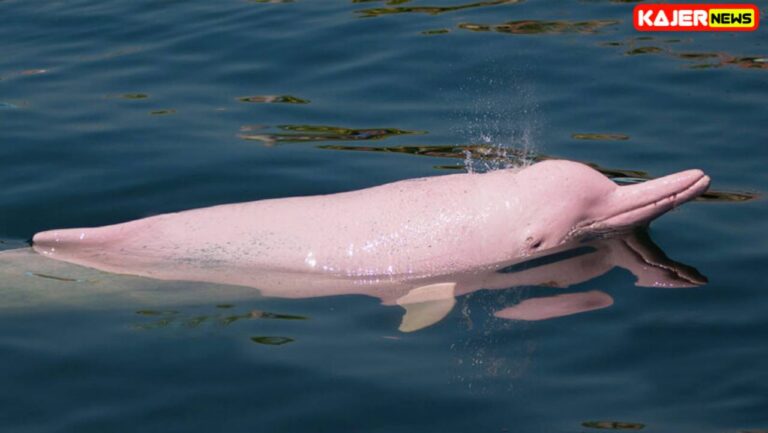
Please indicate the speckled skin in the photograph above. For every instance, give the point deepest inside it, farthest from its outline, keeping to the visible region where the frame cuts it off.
(413, 228)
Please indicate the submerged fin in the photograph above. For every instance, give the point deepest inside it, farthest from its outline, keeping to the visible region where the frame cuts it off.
(426, 305)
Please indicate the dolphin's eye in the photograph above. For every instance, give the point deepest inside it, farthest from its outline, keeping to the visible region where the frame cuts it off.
(536, 244)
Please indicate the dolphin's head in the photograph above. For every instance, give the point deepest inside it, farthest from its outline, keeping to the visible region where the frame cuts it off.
(567, 201)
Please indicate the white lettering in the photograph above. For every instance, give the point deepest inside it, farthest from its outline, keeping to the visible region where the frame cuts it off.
(661, 20)
(645, 18)
(700, 18)
(685, 18)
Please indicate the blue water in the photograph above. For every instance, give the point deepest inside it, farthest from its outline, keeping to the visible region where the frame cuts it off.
(111, 111)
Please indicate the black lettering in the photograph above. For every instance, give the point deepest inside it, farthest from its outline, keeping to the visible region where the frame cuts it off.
(748, 18)
(716, 18)
(736, 19)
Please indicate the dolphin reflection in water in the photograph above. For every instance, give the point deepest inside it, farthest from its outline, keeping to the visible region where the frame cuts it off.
(30, 279)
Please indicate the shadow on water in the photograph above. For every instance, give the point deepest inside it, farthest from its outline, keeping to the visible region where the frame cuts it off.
(431, 10)
(318, 133)
(518, 157)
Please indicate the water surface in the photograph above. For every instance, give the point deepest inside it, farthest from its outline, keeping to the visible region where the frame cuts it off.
(111, 111)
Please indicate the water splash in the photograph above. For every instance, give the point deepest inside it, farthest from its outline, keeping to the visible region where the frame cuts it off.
(503, 120)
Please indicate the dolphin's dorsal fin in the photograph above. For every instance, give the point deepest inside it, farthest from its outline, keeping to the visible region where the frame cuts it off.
(426, 305)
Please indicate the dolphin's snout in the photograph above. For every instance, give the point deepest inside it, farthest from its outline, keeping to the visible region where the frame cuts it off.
(641, 203)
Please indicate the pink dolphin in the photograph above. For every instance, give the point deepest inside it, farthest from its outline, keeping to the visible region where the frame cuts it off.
(409, 229)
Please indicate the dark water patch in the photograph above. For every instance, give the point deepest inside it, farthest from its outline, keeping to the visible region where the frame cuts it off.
(272, 340)
(432, 10)
(644, 50)
(600, 136)
(696, 56)
(435, 32)
(318, 133)
(162, 112)
(533, 27)
(132, 96)
(274, 99)
(613, 425)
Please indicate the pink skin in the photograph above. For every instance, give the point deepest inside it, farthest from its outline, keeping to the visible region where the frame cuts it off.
(411, 229)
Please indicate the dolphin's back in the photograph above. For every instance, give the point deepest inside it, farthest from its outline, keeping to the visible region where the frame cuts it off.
(389, 229)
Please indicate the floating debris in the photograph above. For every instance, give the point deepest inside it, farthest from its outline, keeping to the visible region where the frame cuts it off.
(274, 99)
(7, 106)
(272, 341)
(162, 112)
(431, 10)
(530, 27)
(613, 425)
(606, 137)
(315, 133)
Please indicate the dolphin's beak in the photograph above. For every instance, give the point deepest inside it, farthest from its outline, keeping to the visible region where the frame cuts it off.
(639, 204)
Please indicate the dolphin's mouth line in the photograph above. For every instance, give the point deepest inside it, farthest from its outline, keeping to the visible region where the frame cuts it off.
(602, 226)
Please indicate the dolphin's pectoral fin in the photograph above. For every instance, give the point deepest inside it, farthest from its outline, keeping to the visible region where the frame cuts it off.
(550, 307)
(426, 305)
